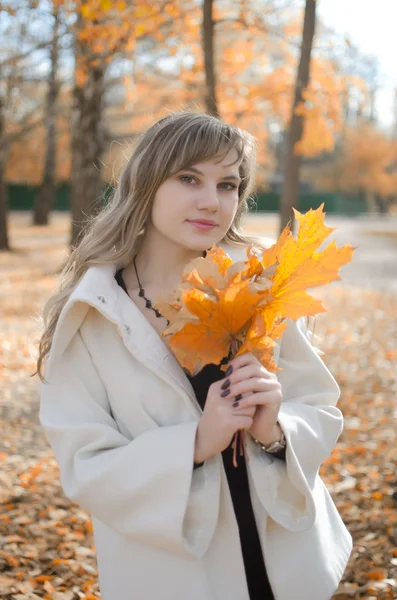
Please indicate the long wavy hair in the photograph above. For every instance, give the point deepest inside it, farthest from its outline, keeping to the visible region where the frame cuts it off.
(114, 234)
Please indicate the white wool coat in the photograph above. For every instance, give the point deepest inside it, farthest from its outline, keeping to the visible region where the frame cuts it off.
(121, 417)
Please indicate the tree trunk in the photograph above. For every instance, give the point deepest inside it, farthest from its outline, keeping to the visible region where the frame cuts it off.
(45, 198)
(290, 191)
(4, 245)
(87, 142)
(370, 200)
(208, 46)
(394, 127)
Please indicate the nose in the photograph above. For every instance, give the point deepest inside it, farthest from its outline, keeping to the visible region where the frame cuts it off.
(209, 197)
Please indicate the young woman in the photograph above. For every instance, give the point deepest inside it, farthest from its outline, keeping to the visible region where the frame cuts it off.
(143, 446)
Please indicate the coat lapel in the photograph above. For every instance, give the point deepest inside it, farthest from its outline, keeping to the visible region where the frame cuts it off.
(99, 288)
(143, 341)
(147, 346)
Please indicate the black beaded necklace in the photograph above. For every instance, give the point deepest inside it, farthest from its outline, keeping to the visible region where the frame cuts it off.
(141, 292)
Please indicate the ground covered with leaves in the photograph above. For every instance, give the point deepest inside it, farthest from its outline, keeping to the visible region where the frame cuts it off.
(46, 544)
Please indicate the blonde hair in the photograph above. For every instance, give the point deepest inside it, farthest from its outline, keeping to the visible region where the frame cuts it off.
(113, 235)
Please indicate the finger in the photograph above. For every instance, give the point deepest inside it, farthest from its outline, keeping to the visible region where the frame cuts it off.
(248, 358)
(247, 411)
(247, 408)
(249, 371)
(260, 399)
(242, 360)
(243, 423)
(253, 384)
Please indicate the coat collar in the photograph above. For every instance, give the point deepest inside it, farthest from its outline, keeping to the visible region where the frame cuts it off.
(99, 289)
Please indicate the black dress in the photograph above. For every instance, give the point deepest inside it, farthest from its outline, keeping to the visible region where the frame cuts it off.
(237, 477)
(257, 580)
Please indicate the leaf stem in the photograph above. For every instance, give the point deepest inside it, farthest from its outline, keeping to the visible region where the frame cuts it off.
(238, 438)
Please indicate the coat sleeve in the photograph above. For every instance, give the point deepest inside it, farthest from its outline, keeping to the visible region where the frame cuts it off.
(145, 488)
(312, 424)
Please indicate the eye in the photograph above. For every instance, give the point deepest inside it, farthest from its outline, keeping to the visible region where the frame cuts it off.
(187, 178)
(232, 187)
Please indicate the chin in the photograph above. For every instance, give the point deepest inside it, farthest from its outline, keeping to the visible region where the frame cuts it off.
(200, 247)
(205, 242)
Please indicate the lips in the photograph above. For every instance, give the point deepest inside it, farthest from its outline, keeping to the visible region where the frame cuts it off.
(203, 222)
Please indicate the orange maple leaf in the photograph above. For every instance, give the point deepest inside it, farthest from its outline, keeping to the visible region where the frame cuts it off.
(223, 308)
(261, 337)
(219, 322)
(301, 266)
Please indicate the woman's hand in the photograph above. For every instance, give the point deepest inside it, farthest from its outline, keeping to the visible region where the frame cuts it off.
(260, 389)
(219, 422)
(251, 401)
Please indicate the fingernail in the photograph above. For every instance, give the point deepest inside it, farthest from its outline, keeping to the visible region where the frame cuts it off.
(239, 396)
(225, 384)
(229, 371)
(236, 404)
(225, 393)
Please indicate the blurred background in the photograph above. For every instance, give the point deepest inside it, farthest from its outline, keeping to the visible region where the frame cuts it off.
(316, 82)
(79, 80)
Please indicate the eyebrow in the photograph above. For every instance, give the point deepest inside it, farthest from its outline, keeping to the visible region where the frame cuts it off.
(230, 177)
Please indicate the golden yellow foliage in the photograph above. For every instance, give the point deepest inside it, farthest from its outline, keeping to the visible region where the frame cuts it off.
(223, 308)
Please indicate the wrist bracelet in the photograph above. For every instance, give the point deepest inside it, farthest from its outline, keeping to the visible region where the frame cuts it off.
(274, 447)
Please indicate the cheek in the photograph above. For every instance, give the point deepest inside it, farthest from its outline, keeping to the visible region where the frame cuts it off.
(167, 203)
(229, 209)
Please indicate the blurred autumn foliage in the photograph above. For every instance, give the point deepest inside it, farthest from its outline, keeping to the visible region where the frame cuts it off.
(367, 160)
(102, 71)
(255, 56)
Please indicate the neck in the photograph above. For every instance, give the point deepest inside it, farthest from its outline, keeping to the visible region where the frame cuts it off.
(160, 262)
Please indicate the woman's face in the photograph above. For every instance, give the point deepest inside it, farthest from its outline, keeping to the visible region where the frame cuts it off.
(203, 192)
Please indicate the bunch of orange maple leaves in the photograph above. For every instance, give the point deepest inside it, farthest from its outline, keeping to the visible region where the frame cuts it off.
(223, 309)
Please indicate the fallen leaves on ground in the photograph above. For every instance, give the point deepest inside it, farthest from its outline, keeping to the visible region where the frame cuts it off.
(46, 542)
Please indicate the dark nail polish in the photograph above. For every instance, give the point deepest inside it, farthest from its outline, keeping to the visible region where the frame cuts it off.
(239, 397)
(235, 404)
(225, 393)
(229, 371)
(225, 384)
